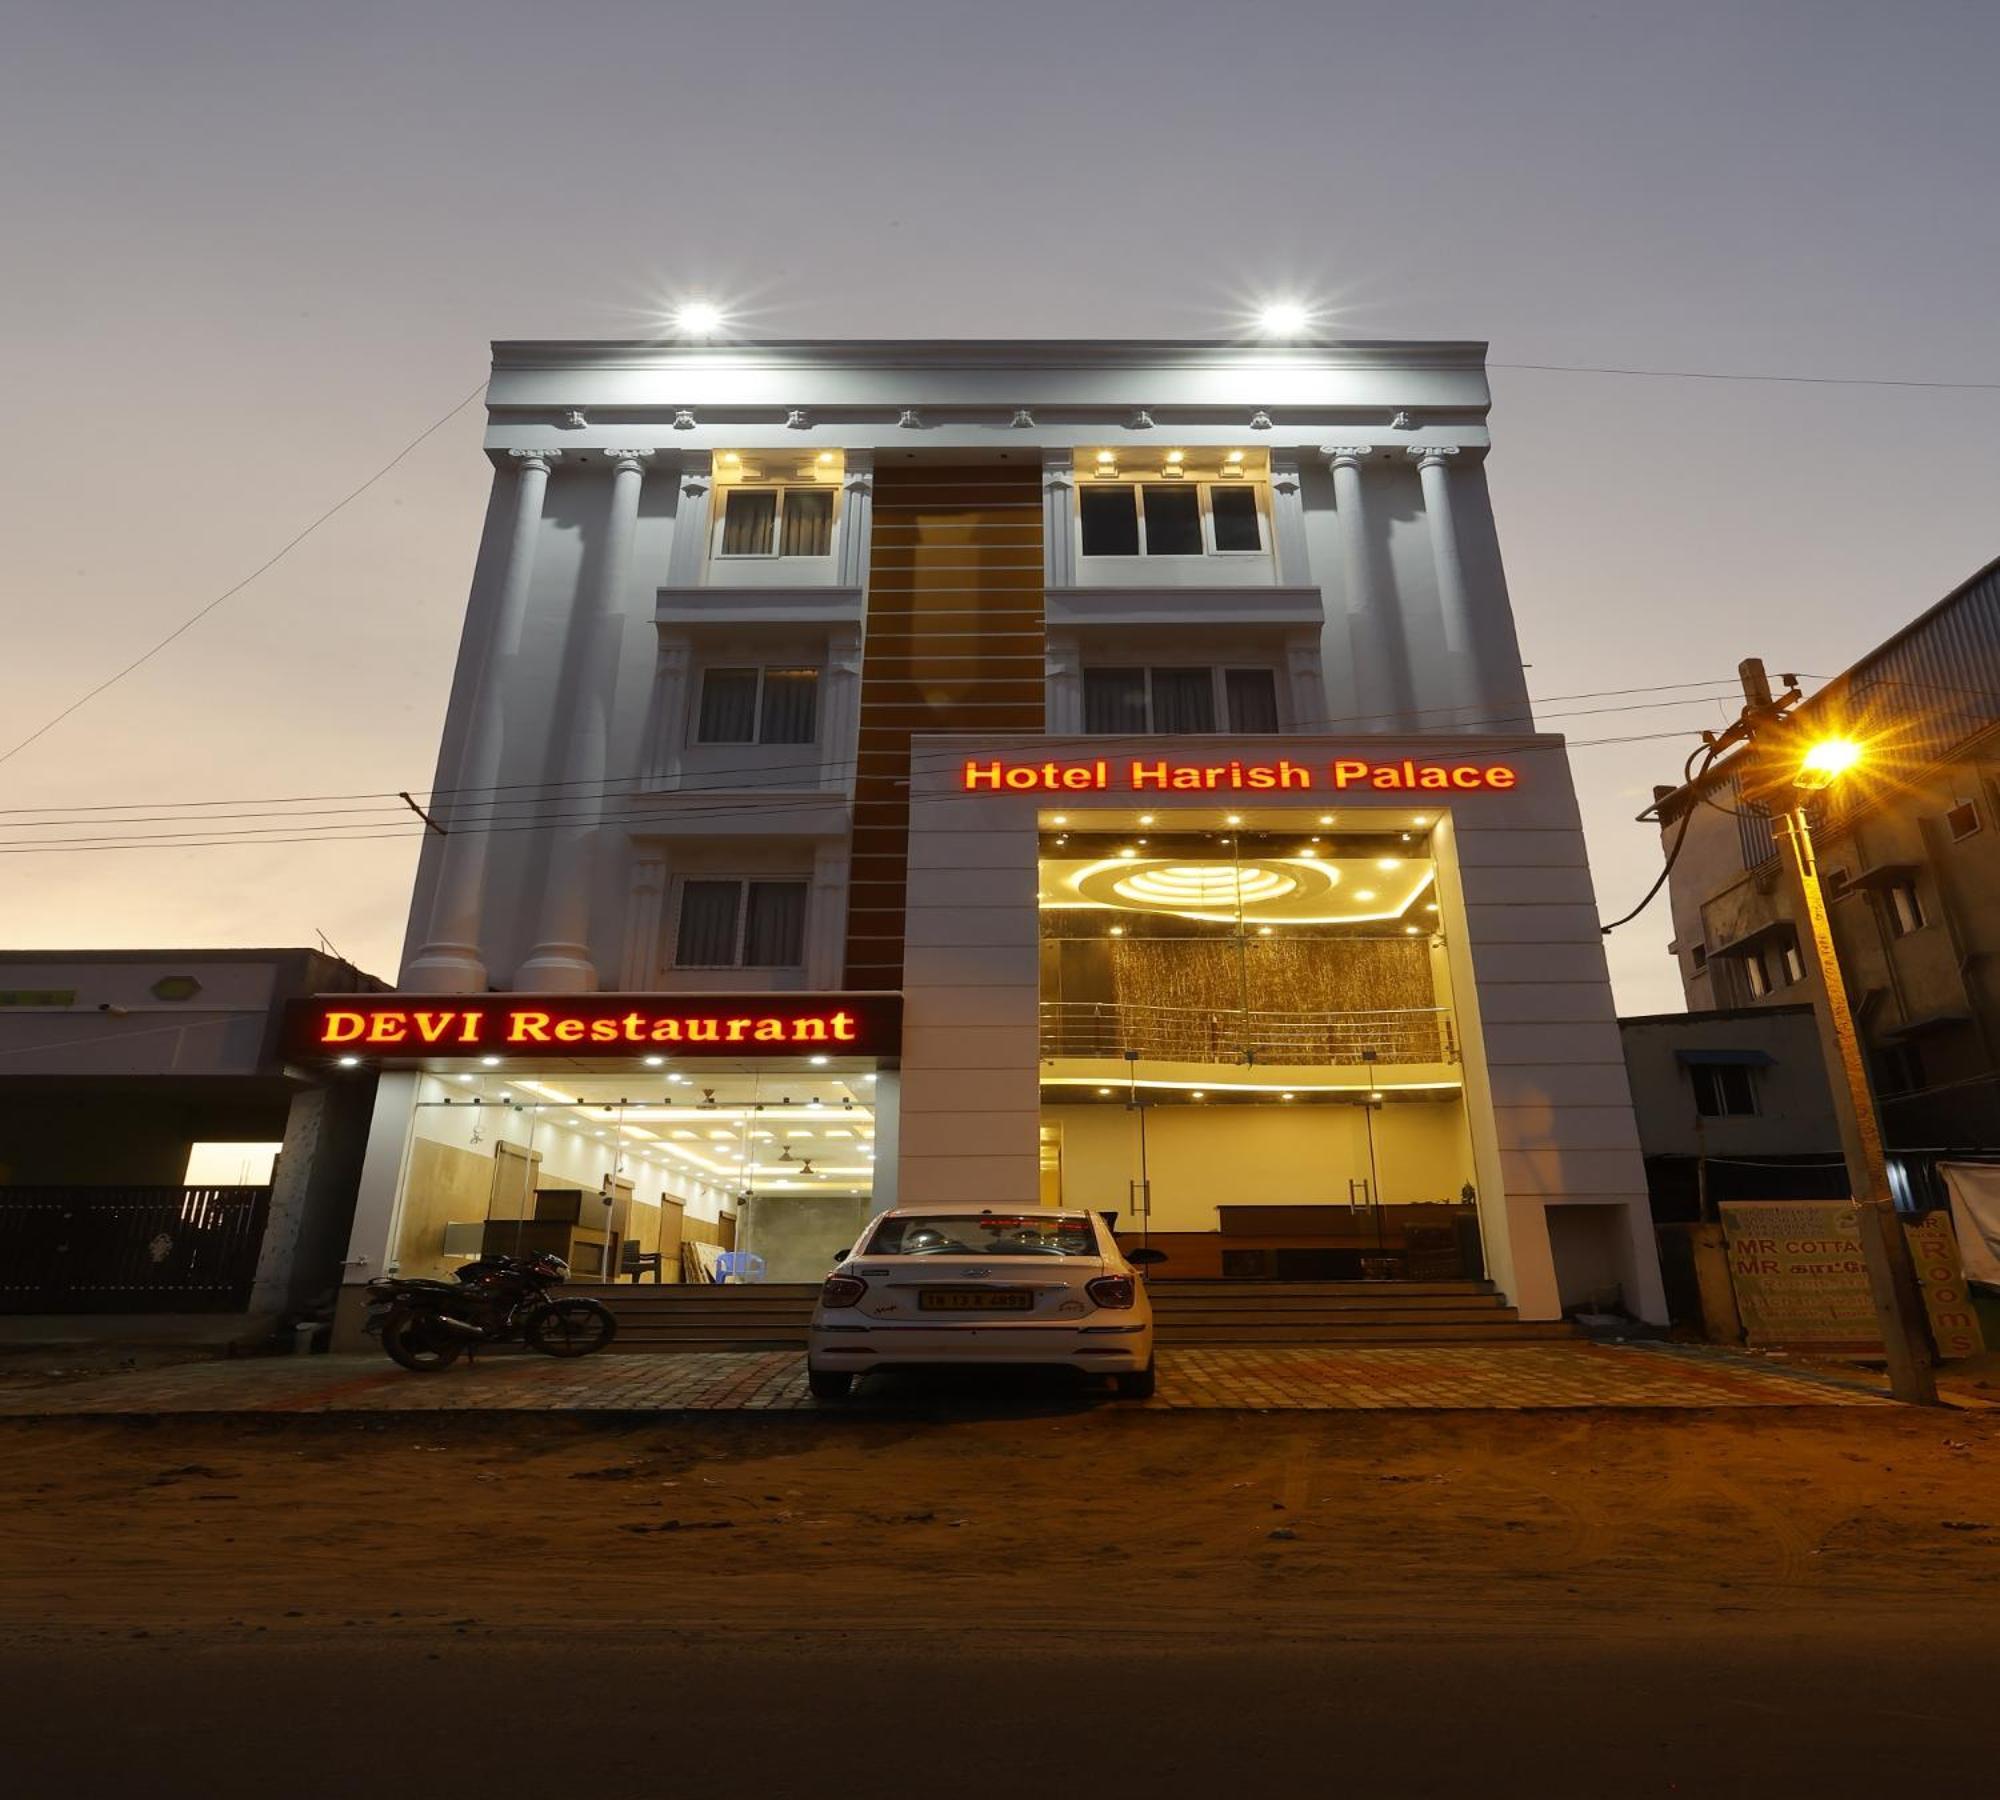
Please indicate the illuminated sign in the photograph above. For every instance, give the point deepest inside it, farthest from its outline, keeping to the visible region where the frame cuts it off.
(1140, 775)
(406, 1025)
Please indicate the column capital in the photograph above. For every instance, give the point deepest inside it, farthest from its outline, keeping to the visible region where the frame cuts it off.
(1432, 456)
(1353, 455)
(628, 459)
(535, 459)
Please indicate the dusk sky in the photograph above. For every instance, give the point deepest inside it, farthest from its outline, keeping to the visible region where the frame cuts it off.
(254, 249)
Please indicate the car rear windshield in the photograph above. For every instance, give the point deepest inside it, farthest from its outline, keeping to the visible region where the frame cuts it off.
(985, 1234)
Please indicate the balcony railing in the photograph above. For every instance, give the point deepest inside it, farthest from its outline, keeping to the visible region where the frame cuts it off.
(1090, 1028)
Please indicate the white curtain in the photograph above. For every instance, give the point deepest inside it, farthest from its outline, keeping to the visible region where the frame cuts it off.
(1975, 1216)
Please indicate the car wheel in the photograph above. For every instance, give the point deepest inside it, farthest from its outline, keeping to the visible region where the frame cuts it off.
(1136, 1386)
(829, 1384)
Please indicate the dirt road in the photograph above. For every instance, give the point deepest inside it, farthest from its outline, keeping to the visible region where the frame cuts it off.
(1608, 1603)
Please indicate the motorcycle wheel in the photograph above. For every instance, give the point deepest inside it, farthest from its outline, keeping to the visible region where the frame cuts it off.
(572, 1328)
(414, 1345)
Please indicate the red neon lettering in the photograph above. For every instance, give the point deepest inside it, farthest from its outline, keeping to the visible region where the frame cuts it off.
(342, 1027)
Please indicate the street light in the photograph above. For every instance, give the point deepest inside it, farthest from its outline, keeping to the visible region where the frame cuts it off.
(1892, 1280)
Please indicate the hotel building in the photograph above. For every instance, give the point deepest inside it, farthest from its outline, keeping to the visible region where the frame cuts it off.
(1096, 774)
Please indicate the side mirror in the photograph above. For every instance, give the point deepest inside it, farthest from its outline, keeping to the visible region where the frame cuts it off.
(1145, 1258)
(840, 1255)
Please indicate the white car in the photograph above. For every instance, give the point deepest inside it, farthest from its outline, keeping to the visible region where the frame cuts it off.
(938, 1285)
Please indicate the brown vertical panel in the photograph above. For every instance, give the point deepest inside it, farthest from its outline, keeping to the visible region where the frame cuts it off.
(955, 593)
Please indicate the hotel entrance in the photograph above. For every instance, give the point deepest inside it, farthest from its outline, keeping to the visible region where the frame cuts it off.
(1249, 1051)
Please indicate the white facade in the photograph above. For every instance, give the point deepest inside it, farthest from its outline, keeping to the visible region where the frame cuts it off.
(666, 680)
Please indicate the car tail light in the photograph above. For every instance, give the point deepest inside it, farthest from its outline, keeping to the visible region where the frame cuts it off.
(1115, 1291)
(843, 1290)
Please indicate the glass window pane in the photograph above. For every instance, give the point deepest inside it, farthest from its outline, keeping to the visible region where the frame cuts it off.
(1110, 520)
(1114, 701)
(1234, 510)
(1173, 521)
(808, 522)
(706, 936)
(1253, 699)
(1183, 700)
(791, 706)
(728, 713)
(774, 925)
(748, 515)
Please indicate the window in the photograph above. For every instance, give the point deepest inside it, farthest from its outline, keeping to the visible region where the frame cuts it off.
(776, 522)
(1699, 957)
(1135, 702)
(1899, 1069)
(758, 706)
(1758, 976)
(1962, 821)
(1170, 518)
(741, 925)
(1723, 1090)
(1794, 962)
(1905, 909)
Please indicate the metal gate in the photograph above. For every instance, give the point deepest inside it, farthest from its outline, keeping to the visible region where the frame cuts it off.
(129, 1249)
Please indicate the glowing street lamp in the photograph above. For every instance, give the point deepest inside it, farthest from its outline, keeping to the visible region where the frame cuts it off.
(1825, 763)
(1892, 1279)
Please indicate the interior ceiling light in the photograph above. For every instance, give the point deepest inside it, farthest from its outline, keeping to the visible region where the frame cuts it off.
(1364, 893)
(1204, 884)
(1235, 456)
(1386, 863)
(1145, 818)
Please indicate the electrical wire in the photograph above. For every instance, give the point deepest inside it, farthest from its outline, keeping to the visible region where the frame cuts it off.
(1873, 381)
(454, 799)
(731, 805)
(195, 618)
(1680, 838)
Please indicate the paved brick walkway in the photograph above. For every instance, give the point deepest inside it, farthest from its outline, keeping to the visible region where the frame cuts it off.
(1524, 1377)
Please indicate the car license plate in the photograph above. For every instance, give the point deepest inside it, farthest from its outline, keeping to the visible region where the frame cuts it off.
(975, 1300)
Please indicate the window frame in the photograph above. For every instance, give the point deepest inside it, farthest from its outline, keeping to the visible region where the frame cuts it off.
(1205, 491)
(1903, 908)
(1218, 675)
(757, 740)
(776, 553)
(741, 927)
(1710, 1075)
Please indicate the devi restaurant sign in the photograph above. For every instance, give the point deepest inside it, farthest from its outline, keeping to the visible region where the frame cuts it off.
(445, 1025)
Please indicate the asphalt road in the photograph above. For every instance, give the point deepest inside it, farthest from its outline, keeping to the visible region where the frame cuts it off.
(863, 1715)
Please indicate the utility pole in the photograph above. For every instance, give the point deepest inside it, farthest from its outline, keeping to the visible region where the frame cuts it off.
(1788, 771)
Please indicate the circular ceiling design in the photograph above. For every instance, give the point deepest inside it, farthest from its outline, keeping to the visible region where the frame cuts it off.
(1216, 891)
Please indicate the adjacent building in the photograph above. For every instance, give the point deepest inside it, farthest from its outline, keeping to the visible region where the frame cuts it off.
(164, 1168)
(1096, 774)
(1909, 851)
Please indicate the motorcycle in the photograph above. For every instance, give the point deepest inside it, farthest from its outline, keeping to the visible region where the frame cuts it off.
(428, 1325)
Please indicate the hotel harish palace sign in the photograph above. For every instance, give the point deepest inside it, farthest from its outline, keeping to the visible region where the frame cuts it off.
(1144, 775)
(417, 1025)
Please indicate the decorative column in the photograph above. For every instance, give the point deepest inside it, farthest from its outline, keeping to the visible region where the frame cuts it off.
(1380, 667)
(687, 555)
(561, 962)
(640, 968)
(1305, 683)
(840, 716)
(826, 914)
(667, 734)
(1062, 664)
(449, 960)
(1058, 519)
(857, 519)
(1454, 597)
(1288, 522)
